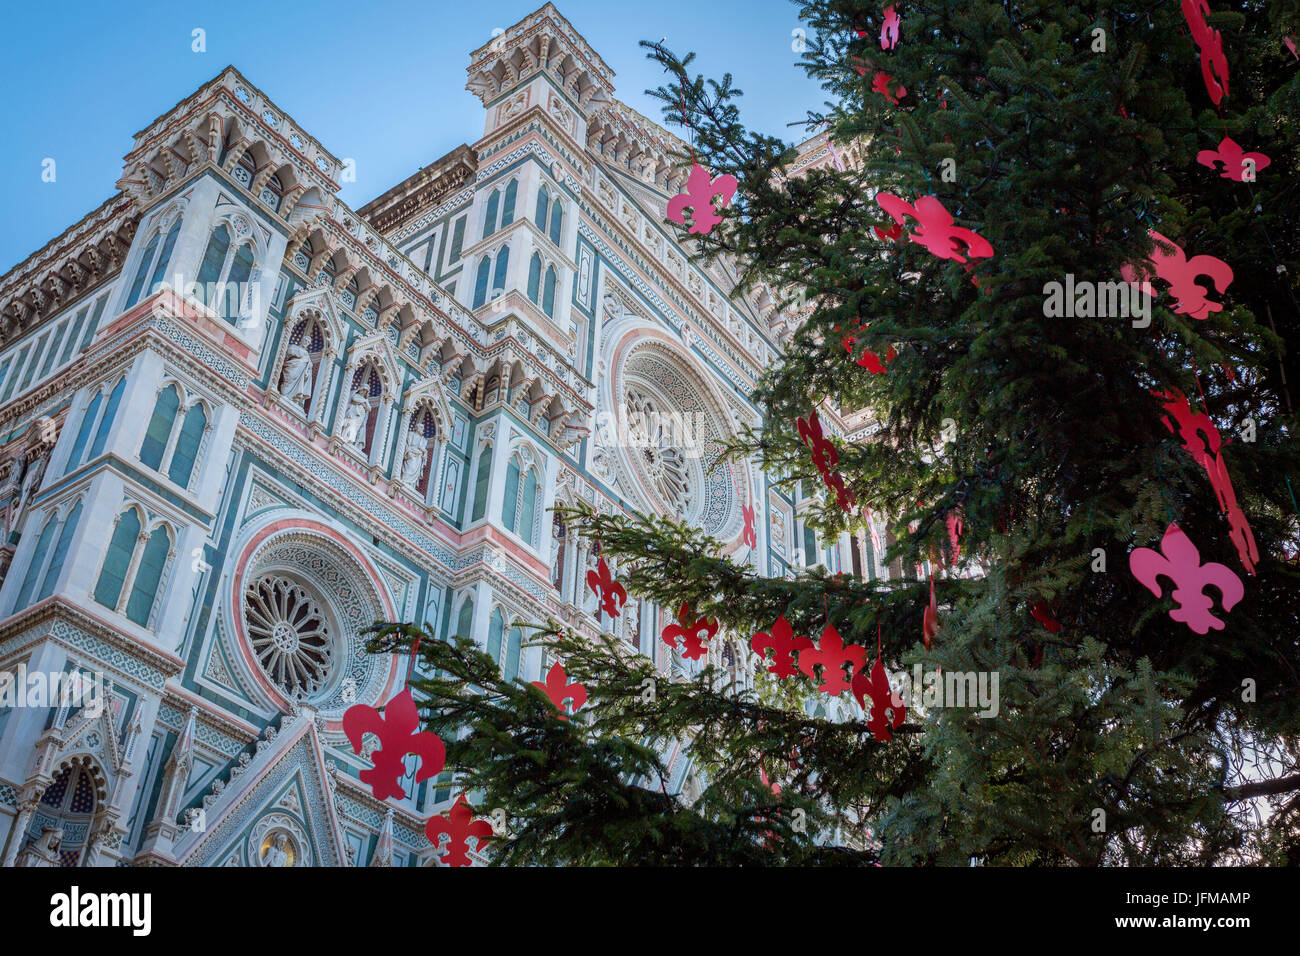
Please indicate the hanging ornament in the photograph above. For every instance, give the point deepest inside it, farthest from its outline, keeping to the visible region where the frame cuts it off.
(1041, 613)
(558, 689)
(1202, 441)
(749, 535)
(1180, 562)
(832, 655)
(825, 457)
(887, 710)
(881, 84)
(930, 619)
(700, 190)
(783, 644)
(1181, 273)
(395, 728)
(1238, 166)
(868, 359)
(1289, 40)
(693, 645)
(1214, 65)
(889, 30)
(953, 521)
(937, 232)
(459, 825)
(612, 594)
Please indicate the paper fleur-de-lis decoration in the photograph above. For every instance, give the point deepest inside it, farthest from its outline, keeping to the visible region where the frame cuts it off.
(558, 689)
(749, 535)
(1214, 65)
(395, 729)
(700, 190)
(882, 83)
(889, 29)
(832, 654)
(459, 825)
(1181, 564)
(783, 645)
(936, 230)
(1181, 273)
(1238, 166)
(690, 631)
(887, 708)
(612, 594)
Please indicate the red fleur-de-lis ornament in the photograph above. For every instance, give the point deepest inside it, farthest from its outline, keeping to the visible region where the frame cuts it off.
(825, 457)
(1238, 166)
(889, 31)
(832, 655)
(700, 190)
(459, 825)
(1180, 562)
(887, 709)
(690, 631)
(1041, 613)
(395, 728)
(783, 645)
(1214, 65)
(937, 232)
(558, 689)
(881, 83)
(1181, 273)
(612, 594)
(749, 535)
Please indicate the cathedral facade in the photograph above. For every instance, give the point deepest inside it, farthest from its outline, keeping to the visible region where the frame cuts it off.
(241, 421)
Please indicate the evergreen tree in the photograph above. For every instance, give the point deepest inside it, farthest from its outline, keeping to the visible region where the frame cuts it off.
(1065, 156)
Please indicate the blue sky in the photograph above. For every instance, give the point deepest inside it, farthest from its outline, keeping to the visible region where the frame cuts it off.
(382, 83)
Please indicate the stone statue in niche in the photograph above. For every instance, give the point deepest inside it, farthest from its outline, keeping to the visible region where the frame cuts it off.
(354, 417)
(43, 852)
(413, 464)
(296, 384)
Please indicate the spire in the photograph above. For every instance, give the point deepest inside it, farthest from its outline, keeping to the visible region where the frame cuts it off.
(384, 846)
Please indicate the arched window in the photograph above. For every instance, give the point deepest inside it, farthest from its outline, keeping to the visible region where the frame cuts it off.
(528, 506)
(117, 561)
(481, 481)
(83, 434)
(172, 434)
(496, 630)
(60, 552)
(148, 576)
(142, 273)
(548, 293)
(535, 278)
(133, 567)
(557, 221)
(481, 281)
(423, 432)
(187, 445)
(514, 644)
(37, 563)
(158, 435)
(543, 207)
(510, 502)
(508, 209)
(164, 257)
(465, 620)
(224, 274)
(499, 273)
(490, 217)
(106, 420)
(157, 263)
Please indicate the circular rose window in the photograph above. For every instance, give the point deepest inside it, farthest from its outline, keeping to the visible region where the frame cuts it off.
(289, 634)
(657, 451)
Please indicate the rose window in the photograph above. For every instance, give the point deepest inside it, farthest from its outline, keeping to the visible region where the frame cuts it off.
(655, 449)
(289, 634)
